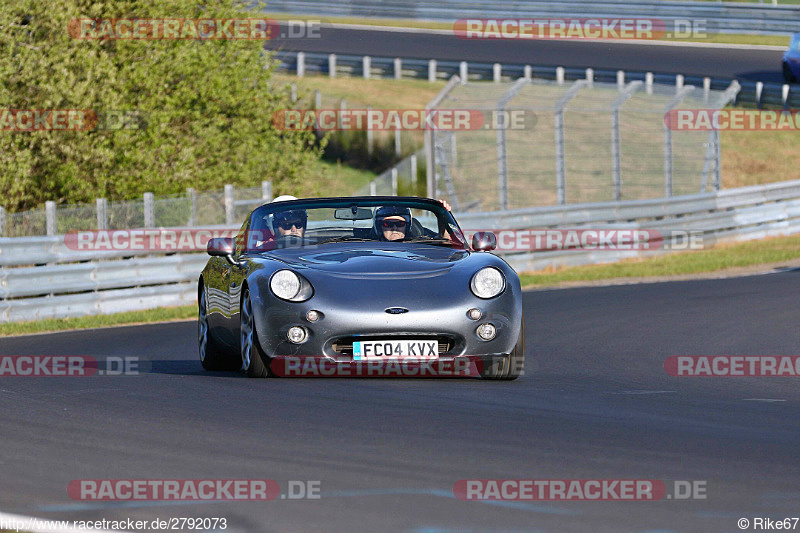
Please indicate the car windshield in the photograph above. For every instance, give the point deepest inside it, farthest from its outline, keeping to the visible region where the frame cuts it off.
(358, 219)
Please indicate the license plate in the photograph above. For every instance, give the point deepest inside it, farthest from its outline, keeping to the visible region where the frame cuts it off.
(400, 348)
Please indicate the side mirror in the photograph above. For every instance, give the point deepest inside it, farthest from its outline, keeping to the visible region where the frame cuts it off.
(221, 247)
(484, 241)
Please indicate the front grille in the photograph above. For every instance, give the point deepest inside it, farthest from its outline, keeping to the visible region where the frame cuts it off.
(344, 345)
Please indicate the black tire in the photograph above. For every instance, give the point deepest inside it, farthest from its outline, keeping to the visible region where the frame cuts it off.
(212, 357)
(255, 363)
(509, 367)
(788, 75)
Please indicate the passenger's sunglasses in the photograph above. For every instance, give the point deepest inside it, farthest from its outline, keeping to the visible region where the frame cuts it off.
(392, 224)
(288, 224)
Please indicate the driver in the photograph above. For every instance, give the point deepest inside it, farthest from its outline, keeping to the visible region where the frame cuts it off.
(392, 222)
(290, 223)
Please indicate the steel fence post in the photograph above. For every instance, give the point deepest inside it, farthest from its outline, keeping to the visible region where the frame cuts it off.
(561, 180)
(149, 210)
(398, 148)
(50, 216)
(102, 213)
(230, 211)
(332, 65)
(681, 93)
(430, 137)
(370, 133)
(366, 67)
(191, 195)
(717, 162)
(616, 148)
(502, 148)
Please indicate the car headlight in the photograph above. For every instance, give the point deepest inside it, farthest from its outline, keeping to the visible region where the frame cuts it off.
(290, 286)
(487, 283)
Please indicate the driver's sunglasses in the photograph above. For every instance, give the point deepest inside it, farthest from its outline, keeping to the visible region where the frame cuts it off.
(392, 224)
(288, 224)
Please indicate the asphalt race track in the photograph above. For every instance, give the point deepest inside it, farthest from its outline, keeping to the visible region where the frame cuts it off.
(751, 64)
(596, 403)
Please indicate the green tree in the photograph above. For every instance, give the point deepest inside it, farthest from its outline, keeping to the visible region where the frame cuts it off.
(207, 105)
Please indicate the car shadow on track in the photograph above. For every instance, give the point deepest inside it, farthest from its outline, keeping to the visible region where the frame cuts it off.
(184, 367)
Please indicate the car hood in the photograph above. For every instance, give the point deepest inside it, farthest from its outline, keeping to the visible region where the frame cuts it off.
(373, 260)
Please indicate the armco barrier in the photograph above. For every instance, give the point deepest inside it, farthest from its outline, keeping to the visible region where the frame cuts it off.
(752, 94)
(69, 284)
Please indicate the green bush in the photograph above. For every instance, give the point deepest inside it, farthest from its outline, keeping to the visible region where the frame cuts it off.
(206, 103)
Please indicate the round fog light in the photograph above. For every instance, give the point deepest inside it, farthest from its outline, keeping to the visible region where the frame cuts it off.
(474, 313)
(487, 332)
(296, 334)
(312, 316)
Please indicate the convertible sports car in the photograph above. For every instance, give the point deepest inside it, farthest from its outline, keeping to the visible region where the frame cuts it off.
(358, 278)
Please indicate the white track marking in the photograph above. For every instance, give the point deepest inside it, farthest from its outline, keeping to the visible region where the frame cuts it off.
(769, 400)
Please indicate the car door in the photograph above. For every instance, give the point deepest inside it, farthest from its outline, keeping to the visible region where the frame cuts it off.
(237, 275)
(217, 277)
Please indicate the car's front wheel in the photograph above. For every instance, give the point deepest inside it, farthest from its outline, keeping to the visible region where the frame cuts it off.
(253, 364)
(788, 75)
(508, 367)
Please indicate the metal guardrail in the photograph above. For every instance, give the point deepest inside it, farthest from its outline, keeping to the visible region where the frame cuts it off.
(214, 207)
(756, 94)
(114, 281)
(726, 17)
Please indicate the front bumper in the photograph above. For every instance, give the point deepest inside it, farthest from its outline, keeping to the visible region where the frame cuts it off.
(340, 324)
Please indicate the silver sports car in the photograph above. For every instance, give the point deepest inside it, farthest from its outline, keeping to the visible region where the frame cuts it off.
(358, 279)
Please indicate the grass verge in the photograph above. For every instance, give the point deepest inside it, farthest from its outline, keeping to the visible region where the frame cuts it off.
(162, 314)
(721, 38)
(336, 179)
(720, 258)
